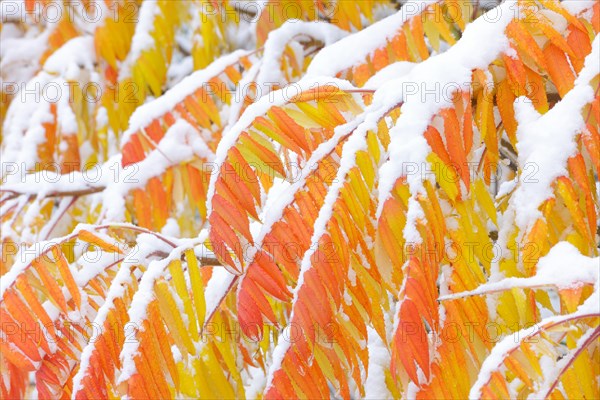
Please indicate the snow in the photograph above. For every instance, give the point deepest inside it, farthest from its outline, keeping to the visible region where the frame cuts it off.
(146, 244)
(561, 255)
(563, 267)
(24, 259)
(93, 264)
(379, 360)
(506, 188)
(254, 388)
(278, 355)
(67, 70)
(408, 145)
(22, 129)
(436, 69)
(67, 120)
(78, 53)
(138, 308)
(354, 49)
(216, 288)
(282, 192)
(142, 38)
(355, 143)
(259, 108)
(388, 73)
(547, 141)
(178, 70)
(277, 40)
(576, 7)
(171, 228)
(553, 369)
(180, 143)
(158, 269)
(265, 73)
(56, 223)
(148, 112)
(511, 342)
(20, 53)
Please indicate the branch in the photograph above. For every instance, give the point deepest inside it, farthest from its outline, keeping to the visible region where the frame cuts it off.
(504, 349)
(204, 261)
(491, 288)
(506, 151)
(227, 291)
(244, 11)
(571, 359)
(135, 228)
(53, 193)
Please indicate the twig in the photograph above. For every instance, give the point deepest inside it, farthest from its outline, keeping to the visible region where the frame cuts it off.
(59, 217)
(204, 261)
(214, 311)
(136, 229)
(506, 152)
(573, 355)
(54, 193)
(244, 11)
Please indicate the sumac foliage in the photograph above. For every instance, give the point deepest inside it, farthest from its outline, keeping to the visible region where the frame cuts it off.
(300, 199)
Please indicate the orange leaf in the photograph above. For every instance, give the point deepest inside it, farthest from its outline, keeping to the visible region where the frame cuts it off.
(559, 69)
(95, 240)
(65, 273)
(454, 142)
(54, 290)
(410, 342)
